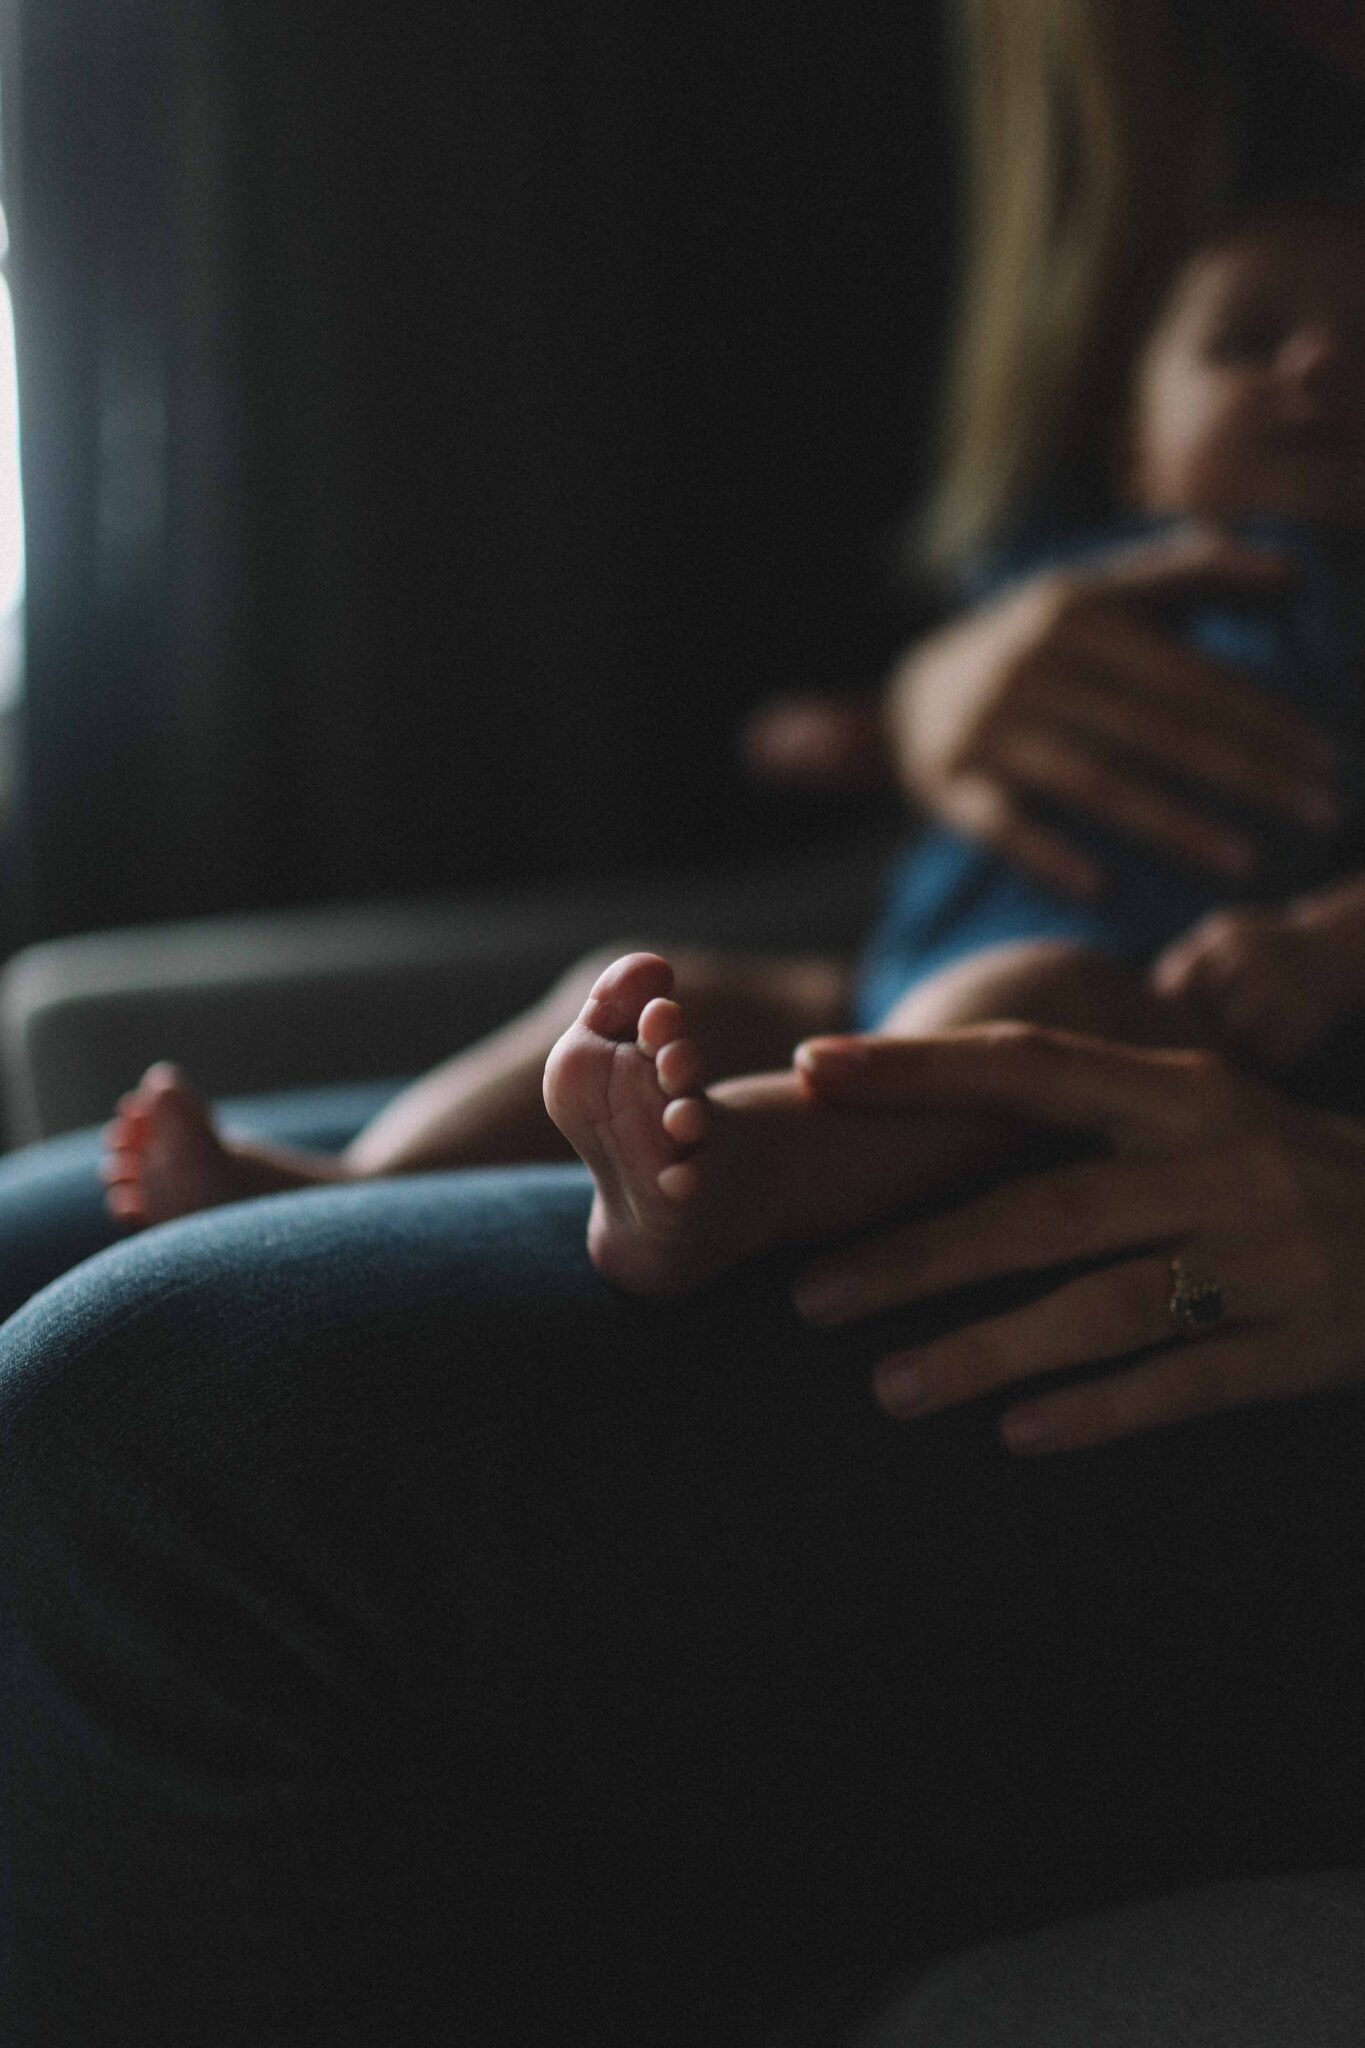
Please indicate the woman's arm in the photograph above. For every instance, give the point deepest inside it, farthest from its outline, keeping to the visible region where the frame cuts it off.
(1067, 688)
(1260, 1202)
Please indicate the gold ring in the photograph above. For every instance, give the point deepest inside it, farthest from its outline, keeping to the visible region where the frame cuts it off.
(1197, 1300)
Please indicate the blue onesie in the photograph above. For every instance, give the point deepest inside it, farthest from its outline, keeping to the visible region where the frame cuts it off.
(948, 897)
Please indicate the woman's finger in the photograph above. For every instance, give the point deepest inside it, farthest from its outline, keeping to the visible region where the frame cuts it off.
(1197, 689)
(1128, 686)
(985, 809)
(1121, 1309)
(1228, 1371)
(1047, 762)
(1054, 1077)
(1190, 560)
(1185, 963)
(1098, 1209)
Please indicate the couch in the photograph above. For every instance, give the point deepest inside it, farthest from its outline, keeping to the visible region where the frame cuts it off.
(354, 991)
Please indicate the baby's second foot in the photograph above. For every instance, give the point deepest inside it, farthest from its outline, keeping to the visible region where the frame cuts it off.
(622, 1085)
(164, 1156)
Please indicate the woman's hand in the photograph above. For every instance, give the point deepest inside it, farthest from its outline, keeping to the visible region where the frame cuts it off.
(1063, 689)
(1263, 1199)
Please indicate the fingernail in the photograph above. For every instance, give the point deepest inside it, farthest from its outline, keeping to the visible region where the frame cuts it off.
(825, 1050)
(899, 1389)
(826, 1298)
(1027, 1429)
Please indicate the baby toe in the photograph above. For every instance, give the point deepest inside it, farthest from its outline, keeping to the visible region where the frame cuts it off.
(681, 1181)
(126, 1201)
(678, 1066)
(686, 1120)
(661, 1021)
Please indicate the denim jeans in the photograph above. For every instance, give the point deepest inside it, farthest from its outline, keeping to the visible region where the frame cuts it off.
(52, 1203)
(409, 1638)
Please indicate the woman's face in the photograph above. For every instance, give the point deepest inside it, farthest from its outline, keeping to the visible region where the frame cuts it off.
(1249, 396)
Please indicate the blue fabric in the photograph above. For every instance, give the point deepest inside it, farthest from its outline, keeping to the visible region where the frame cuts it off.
(405, 1637)
(52, 1212)
(948, 897)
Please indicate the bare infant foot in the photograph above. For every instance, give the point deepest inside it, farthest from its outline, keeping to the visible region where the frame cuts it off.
(622, 1085)
(165, 1157)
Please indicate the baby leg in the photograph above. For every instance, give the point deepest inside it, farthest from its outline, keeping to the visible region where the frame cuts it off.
(486, 1105)
(166, 1156)
(1041, 981)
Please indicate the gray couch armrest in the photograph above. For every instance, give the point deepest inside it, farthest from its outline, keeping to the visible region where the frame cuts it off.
(355, 991)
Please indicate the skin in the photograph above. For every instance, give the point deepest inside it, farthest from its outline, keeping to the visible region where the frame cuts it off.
(1270, 984)
(1249, 398)
(1249, 394)
(1217, 422)
(1191, 1158)
(1063, 688)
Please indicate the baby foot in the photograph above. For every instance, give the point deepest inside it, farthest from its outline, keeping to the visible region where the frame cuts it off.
(165, 1157)
(622, 1085)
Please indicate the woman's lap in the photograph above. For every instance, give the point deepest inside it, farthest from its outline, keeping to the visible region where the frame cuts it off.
(597, 1655)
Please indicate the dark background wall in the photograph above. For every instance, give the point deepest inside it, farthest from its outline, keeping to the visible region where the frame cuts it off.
(440, 429)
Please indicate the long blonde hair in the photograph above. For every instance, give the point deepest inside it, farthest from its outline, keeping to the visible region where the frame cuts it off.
(1102, 139)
